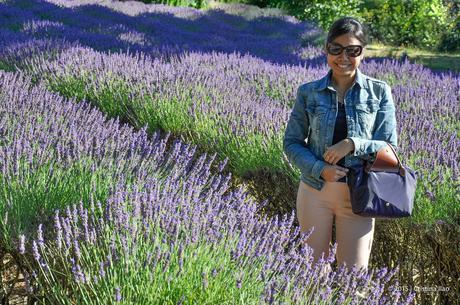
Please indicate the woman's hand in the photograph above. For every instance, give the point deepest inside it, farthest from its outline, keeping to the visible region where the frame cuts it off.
(332, 173)
(337, 151)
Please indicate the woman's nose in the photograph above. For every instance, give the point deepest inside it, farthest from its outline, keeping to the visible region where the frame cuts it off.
(344, 55)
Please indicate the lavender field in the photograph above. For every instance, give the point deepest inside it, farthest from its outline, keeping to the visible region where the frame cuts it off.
(125, 130)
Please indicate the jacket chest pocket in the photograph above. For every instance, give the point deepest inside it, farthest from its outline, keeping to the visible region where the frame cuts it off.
(366, 113)
(317, 115)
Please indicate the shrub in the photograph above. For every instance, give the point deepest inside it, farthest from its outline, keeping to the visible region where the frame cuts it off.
(326, 12)
(411, 22)
(426, 24)
(450, 40)
(321, 11)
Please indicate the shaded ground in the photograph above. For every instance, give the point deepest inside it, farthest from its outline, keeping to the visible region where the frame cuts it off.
(13, 283)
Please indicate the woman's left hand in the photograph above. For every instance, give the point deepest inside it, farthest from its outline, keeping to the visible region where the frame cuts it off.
(337, 151)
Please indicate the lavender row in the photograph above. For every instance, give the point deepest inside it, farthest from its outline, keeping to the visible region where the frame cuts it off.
(236, 104)
(56, 151)
(178, 247)
(249, 96)
(135, 26)
(435, 95)
(168, 193)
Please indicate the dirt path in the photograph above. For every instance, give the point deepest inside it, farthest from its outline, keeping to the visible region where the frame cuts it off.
(14, 280)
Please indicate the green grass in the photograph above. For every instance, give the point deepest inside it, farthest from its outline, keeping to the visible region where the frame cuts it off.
(430, 59)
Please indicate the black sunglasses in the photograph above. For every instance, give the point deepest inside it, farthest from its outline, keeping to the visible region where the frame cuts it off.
(351, 50)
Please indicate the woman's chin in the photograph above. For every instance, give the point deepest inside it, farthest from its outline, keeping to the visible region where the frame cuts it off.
(344, 73)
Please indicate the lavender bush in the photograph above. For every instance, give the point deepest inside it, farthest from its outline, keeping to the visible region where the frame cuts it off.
(234, 104)
(115, 26)
(178, 242)
(238, 106)
(54, 152)
(163, 212)
(157, 205)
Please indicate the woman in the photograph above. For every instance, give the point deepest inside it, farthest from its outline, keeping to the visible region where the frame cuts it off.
(336, 122)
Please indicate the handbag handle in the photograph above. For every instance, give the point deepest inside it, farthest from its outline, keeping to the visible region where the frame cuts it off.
(384, 162)
(401, 169)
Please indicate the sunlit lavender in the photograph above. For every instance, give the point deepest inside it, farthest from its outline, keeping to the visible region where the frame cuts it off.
(55, 151)
(174, 203)
(134, 26)
(220, 80)
(124, 214)
(146, 245)
(239, 105)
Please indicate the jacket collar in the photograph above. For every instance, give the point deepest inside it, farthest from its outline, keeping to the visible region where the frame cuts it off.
(325, 82)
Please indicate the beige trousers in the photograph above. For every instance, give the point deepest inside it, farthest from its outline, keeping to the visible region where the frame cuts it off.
(354, 233)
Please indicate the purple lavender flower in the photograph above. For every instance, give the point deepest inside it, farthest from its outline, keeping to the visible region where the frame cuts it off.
(238, 283)
(101, 269)
(76, 248)
(58, 229)
(204, 279)
(22, 248)
(117, 294)
(35, 251)
(430, 195)
(40, 240)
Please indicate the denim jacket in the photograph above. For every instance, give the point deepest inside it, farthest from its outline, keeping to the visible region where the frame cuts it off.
(370, 116)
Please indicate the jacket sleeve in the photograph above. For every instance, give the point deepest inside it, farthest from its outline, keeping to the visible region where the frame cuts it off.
(384, 128)
(294, 145)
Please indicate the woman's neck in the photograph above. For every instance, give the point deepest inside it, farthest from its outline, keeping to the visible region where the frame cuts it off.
(343, 83)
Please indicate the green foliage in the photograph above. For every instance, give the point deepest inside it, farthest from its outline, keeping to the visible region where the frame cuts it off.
(450, 40)
(326, 12)
(163, 282)
(321, 11)
(427, 24)
(419, 23)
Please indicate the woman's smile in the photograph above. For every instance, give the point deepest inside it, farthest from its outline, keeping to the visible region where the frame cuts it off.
(343, 66)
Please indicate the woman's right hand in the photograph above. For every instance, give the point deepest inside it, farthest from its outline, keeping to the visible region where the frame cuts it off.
(332, 173)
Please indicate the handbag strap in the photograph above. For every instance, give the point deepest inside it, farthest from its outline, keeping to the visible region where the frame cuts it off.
(402, 170)
(399, 169)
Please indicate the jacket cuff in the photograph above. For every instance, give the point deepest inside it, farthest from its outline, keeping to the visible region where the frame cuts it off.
(359, 146)
(317, 169)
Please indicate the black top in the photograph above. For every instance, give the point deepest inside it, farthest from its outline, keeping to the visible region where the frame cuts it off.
(340, 132)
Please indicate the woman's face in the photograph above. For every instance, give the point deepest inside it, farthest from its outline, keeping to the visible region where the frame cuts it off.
(343, 65)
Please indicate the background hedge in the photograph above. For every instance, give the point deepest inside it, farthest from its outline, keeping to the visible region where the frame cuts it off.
(426, 24)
